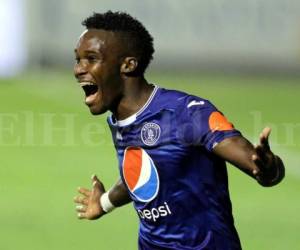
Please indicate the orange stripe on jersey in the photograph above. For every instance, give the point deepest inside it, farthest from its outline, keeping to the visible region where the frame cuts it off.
(132, 166)
(218, 122)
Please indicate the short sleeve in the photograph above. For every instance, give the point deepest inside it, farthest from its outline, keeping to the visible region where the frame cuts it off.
(200, 123)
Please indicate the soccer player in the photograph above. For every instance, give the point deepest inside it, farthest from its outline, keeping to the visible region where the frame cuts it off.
(171, 146)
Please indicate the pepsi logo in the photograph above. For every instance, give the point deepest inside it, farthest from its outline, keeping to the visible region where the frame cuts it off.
(140, 174)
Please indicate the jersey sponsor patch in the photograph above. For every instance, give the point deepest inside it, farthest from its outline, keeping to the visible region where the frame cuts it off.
(218, 122)
(140, 174)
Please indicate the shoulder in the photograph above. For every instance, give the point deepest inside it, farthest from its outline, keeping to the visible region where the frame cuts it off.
(180, 101)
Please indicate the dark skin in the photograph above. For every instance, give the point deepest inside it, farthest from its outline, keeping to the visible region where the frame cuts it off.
(103, 62)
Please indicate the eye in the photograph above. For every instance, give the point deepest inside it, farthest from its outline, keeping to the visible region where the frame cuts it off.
(77, 60)
(92, 58)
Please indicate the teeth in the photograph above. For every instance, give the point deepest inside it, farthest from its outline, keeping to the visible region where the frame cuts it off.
(82, 84)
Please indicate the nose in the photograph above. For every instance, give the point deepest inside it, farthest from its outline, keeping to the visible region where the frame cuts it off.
(80, 69)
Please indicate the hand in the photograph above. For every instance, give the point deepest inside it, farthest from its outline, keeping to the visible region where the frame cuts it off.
(266, 162)
(88, 204)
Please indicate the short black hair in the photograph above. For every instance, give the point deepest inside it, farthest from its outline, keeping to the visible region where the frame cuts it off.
(133, 33)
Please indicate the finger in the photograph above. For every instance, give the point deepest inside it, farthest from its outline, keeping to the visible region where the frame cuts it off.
(81, 208)
(95, 178)
(81, 200)
(258, 162)
(97, 184)
(266, 131)
(84, 191)
(81, 216)
(264, 136)
(255, 171)
(261, 153)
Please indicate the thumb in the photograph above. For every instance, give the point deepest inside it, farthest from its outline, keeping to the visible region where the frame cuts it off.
(265, 133)
(97, 184)
(264, 137)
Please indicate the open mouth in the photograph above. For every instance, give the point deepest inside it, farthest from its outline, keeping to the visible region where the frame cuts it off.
(89, 88)
(91, 92)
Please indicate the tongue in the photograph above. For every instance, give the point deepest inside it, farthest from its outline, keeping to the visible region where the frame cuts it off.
(91, 98)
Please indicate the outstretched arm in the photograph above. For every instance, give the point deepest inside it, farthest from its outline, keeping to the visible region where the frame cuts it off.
(258, 162)
(89, 205)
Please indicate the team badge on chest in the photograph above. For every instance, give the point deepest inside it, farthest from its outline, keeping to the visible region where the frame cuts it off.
(150, 133)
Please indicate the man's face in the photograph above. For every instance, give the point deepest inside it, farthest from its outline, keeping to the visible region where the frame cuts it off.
(97, 69)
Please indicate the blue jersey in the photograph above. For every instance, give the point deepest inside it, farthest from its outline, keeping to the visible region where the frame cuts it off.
(178, 186)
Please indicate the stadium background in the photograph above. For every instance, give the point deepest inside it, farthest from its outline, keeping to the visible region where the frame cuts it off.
(242, 55)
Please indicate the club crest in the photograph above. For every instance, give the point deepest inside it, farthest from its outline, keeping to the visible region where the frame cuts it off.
(150, 133)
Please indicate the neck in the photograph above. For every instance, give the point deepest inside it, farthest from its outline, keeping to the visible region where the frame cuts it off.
(136, 93)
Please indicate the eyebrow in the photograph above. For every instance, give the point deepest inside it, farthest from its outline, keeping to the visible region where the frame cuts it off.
(90, 51)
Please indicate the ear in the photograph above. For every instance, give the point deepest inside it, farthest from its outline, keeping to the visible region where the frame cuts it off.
(129, 65)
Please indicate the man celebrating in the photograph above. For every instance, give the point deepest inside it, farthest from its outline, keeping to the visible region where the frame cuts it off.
(172, 146)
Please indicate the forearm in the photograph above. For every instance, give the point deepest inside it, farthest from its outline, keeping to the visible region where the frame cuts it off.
(118, 194)
(240, 152)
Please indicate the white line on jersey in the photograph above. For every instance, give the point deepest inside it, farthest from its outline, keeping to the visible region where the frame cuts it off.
(194, 102)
